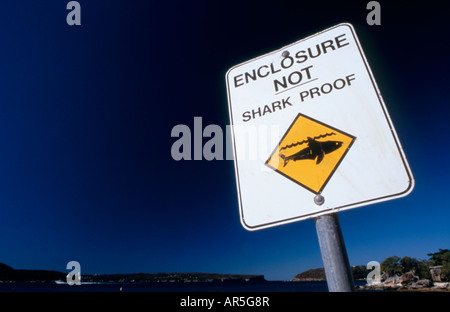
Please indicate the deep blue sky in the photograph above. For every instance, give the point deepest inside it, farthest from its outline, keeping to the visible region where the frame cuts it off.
(86, 114)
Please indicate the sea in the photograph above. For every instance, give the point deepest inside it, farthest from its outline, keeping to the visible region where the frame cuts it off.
(222, 287)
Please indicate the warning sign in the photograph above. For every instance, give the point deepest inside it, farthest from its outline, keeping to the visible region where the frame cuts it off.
(310, 152)
(330, 132)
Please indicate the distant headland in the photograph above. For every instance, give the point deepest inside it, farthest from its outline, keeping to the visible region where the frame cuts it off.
(8, 274)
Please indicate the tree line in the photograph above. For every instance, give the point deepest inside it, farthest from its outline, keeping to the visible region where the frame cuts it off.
(396, 265)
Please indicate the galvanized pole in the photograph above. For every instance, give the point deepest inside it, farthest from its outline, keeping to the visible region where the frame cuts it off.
(334, 256)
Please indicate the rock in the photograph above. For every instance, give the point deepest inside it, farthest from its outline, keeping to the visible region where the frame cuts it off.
(378, 287)
(441, 285)
(408, 278)
(373, 287)
(436, 272)
(393, 281)
(421, 284)
(384, 277)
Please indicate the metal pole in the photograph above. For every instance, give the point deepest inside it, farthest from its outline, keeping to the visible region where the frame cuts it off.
(334, 256)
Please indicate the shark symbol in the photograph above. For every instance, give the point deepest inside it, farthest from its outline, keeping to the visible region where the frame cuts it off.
(314, 150)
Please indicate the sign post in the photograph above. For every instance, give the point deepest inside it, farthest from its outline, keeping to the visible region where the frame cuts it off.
(311, 137)
(334, 255)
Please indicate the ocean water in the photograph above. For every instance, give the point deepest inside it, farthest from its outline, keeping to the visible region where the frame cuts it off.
(272, 286)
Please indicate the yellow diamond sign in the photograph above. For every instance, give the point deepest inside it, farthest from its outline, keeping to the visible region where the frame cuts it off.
(309, 152)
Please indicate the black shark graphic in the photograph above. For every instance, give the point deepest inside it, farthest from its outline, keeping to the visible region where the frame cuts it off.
(314, 150)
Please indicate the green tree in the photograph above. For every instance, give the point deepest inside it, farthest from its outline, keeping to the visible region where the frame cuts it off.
(359, 272)
(438, 258)
(423, 269)
(391, 265)
(408, 264)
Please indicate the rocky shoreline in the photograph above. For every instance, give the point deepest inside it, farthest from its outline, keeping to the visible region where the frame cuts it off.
(396, 273)
(406, 282)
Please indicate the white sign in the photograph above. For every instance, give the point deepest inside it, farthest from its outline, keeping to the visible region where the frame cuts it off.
(308, 122)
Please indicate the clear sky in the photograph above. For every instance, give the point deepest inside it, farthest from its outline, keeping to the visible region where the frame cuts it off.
(86, 114)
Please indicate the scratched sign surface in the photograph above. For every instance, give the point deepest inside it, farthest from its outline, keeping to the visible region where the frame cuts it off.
(309, 119)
